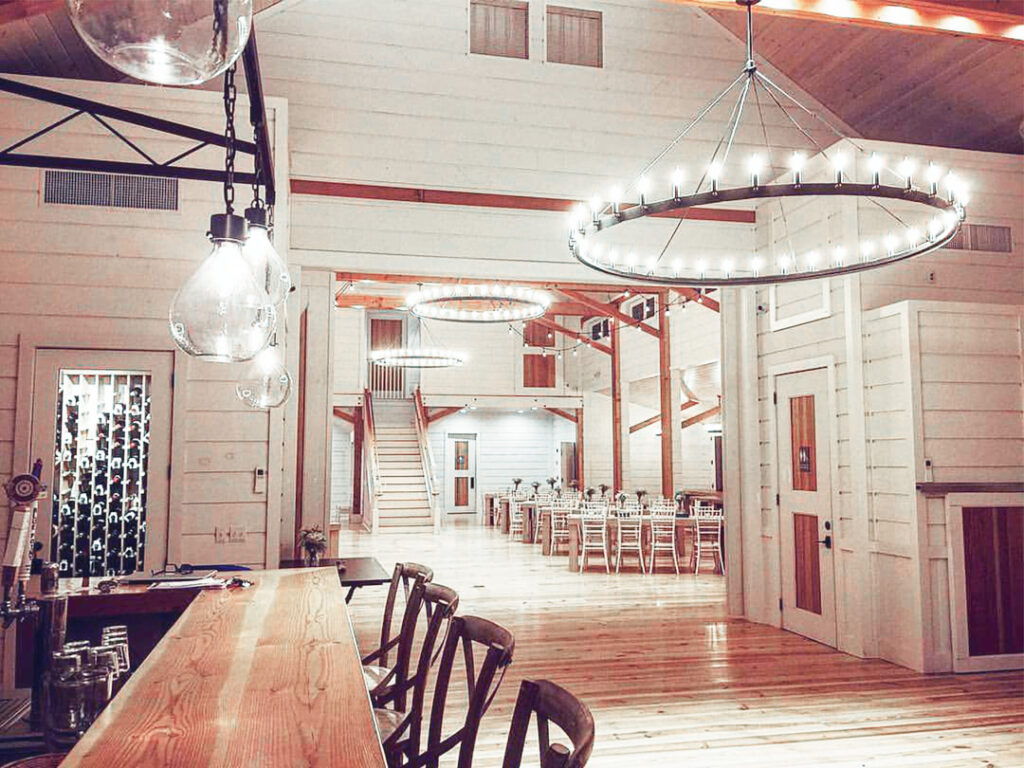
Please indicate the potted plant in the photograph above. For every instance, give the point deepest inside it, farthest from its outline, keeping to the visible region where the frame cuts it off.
(679, 496)
(589, 493)
(536, 485)
(314, 543)
(604, 489)
(516, 482)
(621, 498)
(557, 488)
(551, 482)
(640, 493)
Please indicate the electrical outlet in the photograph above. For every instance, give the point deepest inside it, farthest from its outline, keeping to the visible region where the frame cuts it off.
(220, 535)
(236, 534)
(259, 480)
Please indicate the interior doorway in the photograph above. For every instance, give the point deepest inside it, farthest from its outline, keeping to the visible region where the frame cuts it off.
(461, 485)
(386, 382)
(101, 423)
(805, 504)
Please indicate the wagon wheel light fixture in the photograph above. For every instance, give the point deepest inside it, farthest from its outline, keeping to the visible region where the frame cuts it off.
(479, 303)
(407, 357)
(927, 216)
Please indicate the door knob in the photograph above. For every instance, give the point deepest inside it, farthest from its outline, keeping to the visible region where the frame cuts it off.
(827, 541)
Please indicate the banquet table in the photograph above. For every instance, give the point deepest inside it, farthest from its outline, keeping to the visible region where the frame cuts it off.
(268, 675)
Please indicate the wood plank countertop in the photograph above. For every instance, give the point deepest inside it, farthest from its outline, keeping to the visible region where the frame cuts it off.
(266, 676)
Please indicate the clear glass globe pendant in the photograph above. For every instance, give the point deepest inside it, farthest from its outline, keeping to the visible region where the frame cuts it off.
(266, 383)
(220, 313)
(168, 42)
(268, 268)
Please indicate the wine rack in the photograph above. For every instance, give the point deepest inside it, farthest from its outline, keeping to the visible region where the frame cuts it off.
(100, 472)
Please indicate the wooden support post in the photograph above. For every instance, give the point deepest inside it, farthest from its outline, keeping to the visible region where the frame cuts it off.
(668, 413)
(579, 449)
(357, 461)
(616, 408)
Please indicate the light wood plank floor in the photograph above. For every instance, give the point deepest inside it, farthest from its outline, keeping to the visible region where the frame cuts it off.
(673, 681)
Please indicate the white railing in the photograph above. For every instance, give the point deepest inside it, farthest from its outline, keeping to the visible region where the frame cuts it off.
(387, 382)
(427, 459)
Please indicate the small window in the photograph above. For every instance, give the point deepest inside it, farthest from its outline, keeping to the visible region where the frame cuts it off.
(600, 330)
(539, 371)
(575, 36)
(499, 28)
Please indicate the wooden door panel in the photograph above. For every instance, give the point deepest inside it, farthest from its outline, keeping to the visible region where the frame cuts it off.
(805, 461)
(808, 567)
(461, 491)
(994, 576)
(461, 454)
(539, 371)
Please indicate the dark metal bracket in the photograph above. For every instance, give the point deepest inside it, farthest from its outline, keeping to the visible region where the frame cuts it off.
(103, 113)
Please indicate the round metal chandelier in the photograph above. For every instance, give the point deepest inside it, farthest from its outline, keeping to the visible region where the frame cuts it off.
(912, 220)
(478, 303)
(415, 357)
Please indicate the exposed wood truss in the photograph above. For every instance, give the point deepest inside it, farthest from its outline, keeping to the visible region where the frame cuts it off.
(573, 417)
(983, 19)
(703, 416)
(607, 310)
(439, 413)
(552, 325)
(488, 200)
(657, 417)
(346, 414)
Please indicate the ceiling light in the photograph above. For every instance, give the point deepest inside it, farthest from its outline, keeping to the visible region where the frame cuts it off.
(468, 303)
(415, 357)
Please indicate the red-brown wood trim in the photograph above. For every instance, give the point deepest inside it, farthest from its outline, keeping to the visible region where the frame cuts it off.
(616, 409)
(665, 393)
(357, 460)
(688, 404)
(559, 412)
(579, 448)
(488, 199)
(930, 17)
(574, 335)
(341, 413)
(645, 423)
(300, 424)
(440, 413)
(691, 294)
(607, 310)
(703, 416)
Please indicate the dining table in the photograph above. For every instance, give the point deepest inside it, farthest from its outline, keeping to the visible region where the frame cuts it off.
(268, 675)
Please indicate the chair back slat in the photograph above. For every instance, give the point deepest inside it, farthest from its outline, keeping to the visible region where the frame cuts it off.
(550, 703)
(467, 633)
(404, 575)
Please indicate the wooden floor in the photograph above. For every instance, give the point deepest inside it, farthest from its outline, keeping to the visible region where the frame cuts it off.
(672, 681)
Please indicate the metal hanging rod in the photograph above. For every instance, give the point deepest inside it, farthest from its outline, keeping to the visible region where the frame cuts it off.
(167, 169)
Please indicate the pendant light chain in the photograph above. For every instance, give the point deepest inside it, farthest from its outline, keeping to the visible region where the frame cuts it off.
(230, 95)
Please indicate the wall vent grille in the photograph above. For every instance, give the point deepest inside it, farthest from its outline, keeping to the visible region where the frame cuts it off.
(983, 237)
(110, 190)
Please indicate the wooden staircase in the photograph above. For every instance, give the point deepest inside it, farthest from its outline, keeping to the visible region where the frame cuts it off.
(403, 501)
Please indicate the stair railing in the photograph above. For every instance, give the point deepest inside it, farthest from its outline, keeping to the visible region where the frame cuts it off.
(374, 484)
(427, 459)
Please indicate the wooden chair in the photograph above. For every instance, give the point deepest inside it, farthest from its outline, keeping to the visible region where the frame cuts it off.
(400, 726)
(629, 537)
(516, 522)
(375, 664)
(467, 633)
(663, 535)
(551, 704)
(707, 540)
(594, 535)
(559, 531)
(51, 760)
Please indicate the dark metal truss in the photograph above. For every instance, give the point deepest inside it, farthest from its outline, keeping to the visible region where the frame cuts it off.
(169, 168)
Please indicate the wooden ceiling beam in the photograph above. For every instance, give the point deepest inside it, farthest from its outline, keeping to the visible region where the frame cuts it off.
(347, 415)
(573, 335)
(559, 412)
(440, 413)
(981, 20)
(703, 416)
(608, 310)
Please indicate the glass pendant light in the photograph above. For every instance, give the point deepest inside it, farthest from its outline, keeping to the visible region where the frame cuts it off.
(266, 383)
(220, 313)
(168, 42)
(268, 268)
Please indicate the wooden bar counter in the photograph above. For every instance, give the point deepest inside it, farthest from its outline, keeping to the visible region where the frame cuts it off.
(265, 676)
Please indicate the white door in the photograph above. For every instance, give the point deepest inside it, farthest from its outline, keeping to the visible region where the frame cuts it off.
(805, 504)
(462, 474)
(101, 423)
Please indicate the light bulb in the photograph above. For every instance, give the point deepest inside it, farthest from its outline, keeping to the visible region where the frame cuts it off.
(715, 170)
(935, 227)
(701, 266)
(890, 243)
(755, 165)
(677, 182)
(643, 186)
(875, 164)
(913, 236)
(840, 255)
(867, 250)
(167, 42)
(906, 169)
(595, 207)
(755, 264)
(616, 199)
(677, 264)
(266, 382)
(268, 268)
(220, 313)
(797, 161)
(933, 173)
(812, 259)
(727, 267)
(839, 164)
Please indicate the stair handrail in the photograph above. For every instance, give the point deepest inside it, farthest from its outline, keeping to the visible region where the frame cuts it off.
(370, 458)
(427, 457)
